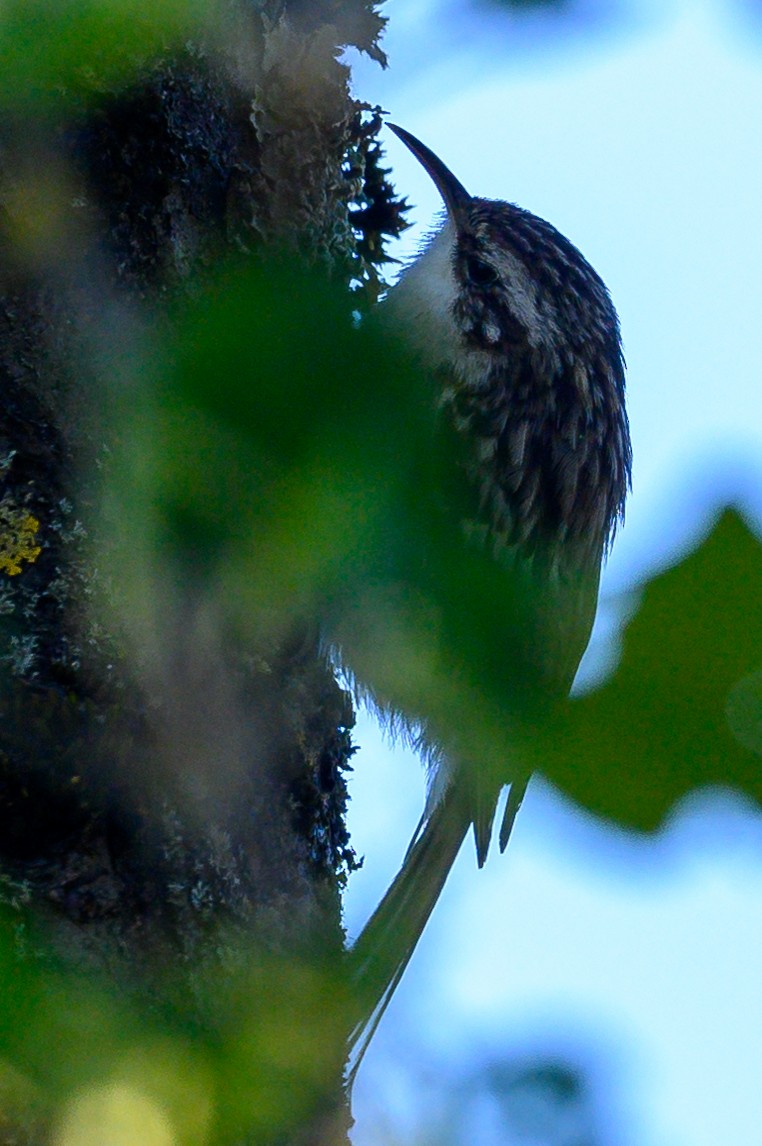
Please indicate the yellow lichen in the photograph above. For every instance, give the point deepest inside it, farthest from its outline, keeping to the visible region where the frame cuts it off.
(18, 531)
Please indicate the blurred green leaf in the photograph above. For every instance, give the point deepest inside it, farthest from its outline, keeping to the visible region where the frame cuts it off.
(251, 1051)
(50, 48)
(277, 443)
(684, 708)
(286, 460)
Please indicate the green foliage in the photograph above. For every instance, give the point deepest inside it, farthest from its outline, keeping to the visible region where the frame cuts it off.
(287, 461)
(51, 49)
(684, 707)
(86, 1058)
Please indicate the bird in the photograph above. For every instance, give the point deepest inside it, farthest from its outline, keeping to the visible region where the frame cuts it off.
(522, 341)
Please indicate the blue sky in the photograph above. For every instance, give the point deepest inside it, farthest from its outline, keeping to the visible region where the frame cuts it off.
(636, 130)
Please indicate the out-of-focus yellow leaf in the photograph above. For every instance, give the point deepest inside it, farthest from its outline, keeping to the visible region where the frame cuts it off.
(114, 1115)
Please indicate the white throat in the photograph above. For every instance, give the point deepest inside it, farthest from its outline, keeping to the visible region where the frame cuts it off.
(419, 306)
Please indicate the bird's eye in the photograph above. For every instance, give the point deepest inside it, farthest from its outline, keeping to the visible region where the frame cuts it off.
(480, 273)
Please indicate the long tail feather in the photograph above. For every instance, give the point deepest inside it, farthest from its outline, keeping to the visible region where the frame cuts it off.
(386, 944)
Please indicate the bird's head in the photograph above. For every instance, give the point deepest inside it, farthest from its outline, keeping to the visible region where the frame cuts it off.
(515, 282)
(525, 338)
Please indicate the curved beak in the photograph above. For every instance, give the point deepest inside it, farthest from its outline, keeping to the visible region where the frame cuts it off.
(456, 198)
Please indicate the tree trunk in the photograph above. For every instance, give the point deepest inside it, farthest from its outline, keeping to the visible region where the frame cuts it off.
(172, 824)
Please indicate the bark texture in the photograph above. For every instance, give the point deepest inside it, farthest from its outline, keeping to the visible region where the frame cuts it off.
(139, 816)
